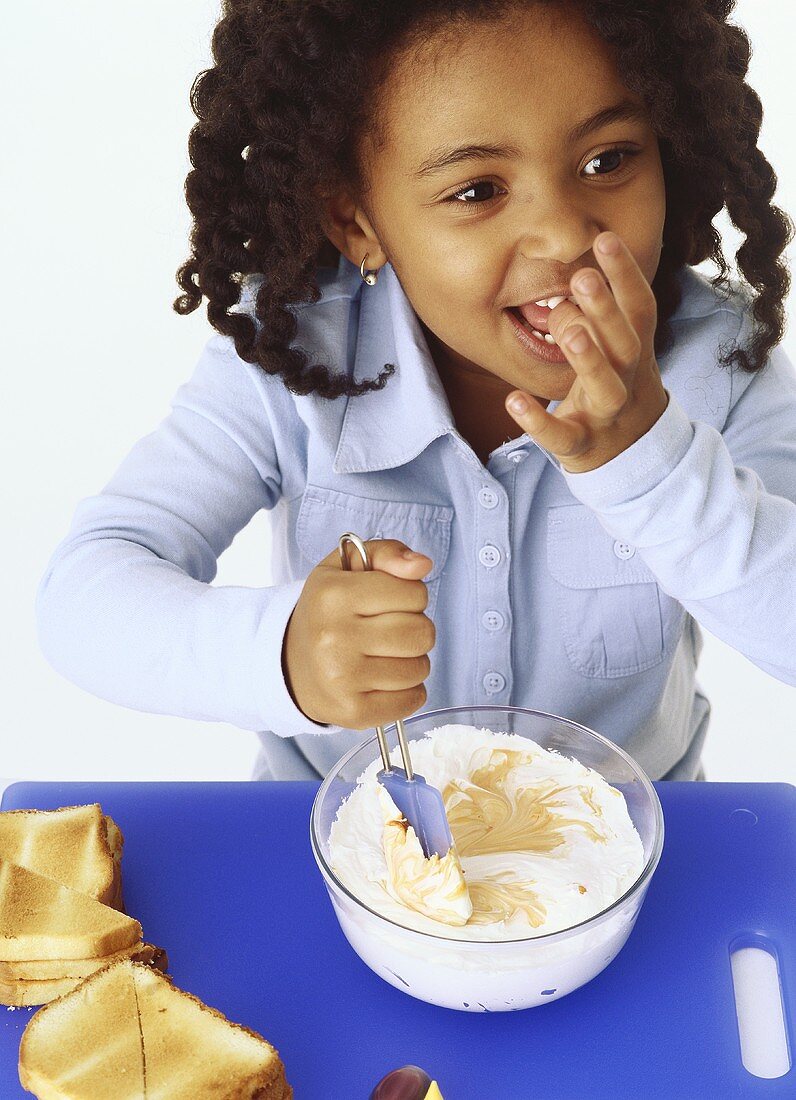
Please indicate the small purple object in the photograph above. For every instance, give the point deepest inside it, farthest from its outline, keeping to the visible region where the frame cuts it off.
(406, 1083)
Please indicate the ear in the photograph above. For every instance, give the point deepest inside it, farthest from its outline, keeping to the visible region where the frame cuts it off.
(348, 227)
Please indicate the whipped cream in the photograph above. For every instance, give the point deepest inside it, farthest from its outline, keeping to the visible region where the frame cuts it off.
(544, 842)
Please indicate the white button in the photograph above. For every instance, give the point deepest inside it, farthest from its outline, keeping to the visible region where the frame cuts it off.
(492, 620)
(489, 555)
(518, 456)
(624, 550)
(493, 682)
(488, 498)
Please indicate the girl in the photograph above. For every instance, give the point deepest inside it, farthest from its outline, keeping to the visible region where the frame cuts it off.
(408, 216)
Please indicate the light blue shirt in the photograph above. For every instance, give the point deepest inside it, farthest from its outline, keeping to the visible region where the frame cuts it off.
(577, 594)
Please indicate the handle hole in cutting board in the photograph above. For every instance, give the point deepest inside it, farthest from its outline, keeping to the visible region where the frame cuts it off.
(759, 1007)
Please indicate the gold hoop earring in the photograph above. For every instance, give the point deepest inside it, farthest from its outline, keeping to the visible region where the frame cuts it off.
(371, 276)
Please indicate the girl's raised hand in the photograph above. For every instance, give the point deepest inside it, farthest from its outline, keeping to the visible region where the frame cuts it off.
(607, 338)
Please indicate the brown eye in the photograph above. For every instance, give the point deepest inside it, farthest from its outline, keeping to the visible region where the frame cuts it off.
(475, 185)
(613, 161)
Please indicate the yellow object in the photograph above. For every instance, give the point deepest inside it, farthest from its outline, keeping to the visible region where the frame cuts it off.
(433, 1092)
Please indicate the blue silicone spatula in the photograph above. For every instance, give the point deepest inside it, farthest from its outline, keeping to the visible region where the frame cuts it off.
(419, 802)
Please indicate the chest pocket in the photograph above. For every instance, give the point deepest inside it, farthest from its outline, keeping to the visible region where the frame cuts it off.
(325, 514)
(614, 618)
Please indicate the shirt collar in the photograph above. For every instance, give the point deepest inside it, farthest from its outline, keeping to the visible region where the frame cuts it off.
(391, 426)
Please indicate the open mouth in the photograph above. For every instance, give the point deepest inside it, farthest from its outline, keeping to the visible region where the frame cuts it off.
(545, 337)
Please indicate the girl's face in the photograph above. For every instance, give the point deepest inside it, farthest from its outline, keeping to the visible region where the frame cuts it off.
(479, 231)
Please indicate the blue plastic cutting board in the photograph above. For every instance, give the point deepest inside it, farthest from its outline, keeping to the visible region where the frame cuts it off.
(222, 876)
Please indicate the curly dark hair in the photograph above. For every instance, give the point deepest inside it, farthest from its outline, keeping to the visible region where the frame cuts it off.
(282, 112)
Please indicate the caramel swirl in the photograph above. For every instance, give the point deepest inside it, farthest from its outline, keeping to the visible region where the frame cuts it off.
(501, 900)
(485, 819)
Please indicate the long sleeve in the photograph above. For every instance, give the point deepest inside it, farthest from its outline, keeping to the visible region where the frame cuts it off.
(713, 514)
(125, 608)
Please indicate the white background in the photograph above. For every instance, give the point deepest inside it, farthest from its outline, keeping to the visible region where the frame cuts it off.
(96, 119)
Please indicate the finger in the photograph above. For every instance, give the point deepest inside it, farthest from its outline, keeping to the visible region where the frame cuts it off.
(386, 555)
(394, 634)
(629, 285)
(394, 673)
(374, 592)
(564, 316)
(558, 435)
(383, 707)
(614, 333)
(602, 388)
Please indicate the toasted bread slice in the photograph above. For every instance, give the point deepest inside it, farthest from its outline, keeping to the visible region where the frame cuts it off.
(115, 838)
(78, 846)
(50, 969)
(193, 1052)
(26, 992)
(44, 919)
(188, 1050)
(86, 1044)
(113, 897)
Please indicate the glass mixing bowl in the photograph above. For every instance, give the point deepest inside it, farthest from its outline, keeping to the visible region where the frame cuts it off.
(492, 975)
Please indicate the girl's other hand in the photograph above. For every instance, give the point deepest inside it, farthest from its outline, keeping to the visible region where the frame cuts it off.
(356, 647)
(617, 394)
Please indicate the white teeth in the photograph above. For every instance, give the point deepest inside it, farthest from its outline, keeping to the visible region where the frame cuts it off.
(544, 336)
(551, 303)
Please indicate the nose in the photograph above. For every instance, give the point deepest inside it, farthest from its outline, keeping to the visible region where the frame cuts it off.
(557, 231)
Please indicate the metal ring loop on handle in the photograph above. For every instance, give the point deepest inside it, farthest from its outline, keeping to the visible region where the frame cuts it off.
(357, 541)
(349, 536)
